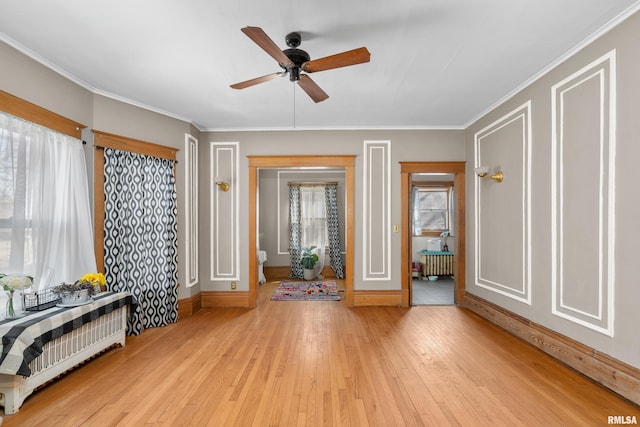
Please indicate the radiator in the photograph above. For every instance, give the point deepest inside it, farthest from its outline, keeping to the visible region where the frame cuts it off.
(63, 354)
(437, 265)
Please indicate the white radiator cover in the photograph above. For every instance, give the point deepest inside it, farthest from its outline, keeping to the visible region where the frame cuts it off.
(63, 354)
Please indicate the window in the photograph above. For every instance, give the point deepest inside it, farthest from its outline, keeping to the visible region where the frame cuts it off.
(45, 215)
(15, 209)
(432, 210)
(313, 216)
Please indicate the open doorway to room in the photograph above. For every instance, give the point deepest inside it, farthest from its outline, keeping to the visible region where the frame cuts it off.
(257, 163)
(301, 208)
(445, 265)
(432, 238)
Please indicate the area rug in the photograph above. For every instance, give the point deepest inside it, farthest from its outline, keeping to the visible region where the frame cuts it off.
(325, 290)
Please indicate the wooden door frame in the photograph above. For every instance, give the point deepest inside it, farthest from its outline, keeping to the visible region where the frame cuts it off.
(346, 162)
(459, 268)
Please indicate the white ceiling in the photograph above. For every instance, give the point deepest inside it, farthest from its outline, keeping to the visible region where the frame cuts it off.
(434, 63)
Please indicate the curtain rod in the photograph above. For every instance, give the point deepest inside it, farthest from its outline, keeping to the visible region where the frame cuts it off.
(312, 183)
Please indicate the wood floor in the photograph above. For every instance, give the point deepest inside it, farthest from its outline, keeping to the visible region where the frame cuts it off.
(312, 363)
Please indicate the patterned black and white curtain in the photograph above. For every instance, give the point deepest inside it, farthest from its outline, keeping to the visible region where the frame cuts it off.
(333, 230)
(295, 232)
(140, 241)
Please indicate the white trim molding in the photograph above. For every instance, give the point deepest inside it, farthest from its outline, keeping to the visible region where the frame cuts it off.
(583, 150)
(376, 204)
(513, 132)
(225, 233)
(191, 209)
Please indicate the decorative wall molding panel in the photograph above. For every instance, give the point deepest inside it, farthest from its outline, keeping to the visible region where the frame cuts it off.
(583, 197)
(503, 209)
(225, 254)
(191, 209)
(376, 233)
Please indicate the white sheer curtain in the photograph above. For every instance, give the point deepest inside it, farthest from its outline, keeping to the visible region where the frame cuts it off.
(415, 210)
(313, 216)
(45, 214)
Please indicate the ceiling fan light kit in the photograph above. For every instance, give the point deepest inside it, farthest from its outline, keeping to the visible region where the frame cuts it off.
(294, 60)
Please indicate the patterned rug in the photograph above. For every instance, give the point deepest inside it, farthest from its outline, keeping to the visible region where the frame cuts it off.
(325, 290)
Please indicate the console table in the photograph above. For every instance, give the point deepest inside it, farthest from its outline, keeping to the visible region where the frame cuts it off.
(44, 344)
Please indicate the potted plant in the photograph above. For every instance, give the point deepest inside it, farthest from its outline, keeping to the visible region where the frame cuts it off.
(80, 291)
(308, 261)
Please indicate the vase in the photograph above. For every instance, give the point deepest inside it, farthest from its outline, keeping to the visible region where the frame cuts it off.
(10, 313)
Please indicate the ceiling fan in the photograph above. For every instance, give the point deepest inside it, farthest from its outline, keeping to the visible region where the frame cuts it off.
(294, 60)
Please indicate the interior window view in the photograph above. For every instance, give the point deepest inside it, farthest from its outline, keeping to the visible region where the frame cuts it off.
(285, 213)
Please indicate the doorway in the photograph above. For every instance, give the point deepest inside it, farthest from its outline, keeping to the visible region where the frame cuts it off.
(432, 233)
(347, 163)
(457, 170)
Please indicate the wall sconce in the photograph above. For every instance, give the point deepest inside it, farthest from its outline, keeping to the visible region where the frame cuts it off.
(222, 185)
(483, 172)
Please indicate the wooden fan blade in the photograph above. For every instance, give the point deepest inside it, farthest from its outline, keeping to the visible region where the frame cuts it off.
(344, 59)
(312, 89)
(262, 39)
(256, 81)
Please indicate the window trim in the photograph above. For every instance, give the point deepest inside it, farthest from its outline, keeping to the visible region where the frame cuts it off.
(440, 185)
(19, 107)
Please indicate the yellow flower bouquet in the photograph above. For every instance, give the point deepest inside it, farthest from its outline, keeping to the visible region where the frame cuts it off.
(95, 279)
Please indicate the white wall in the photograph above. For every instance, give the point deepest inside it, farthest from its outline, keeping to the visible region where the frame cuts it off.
(557, 242)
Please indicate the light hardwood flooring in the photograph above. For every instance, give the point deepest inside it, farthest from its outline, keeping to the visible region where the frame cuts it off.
(311, 363)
